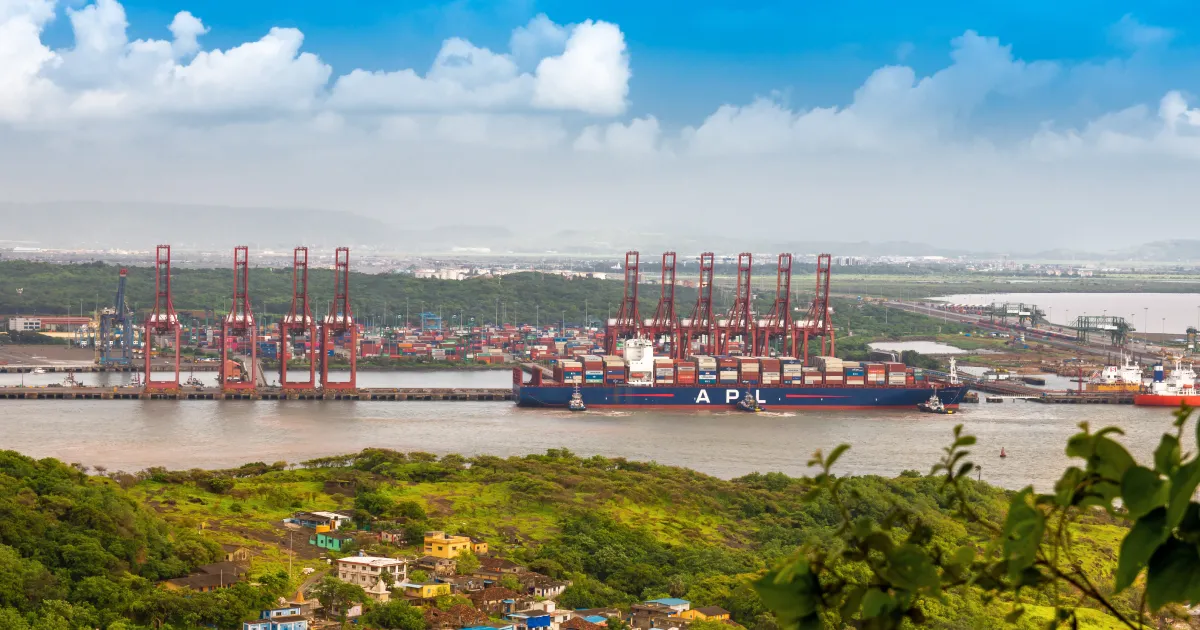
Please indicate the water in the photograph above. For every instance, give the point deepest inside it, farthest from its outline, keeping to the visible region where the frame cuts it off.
(1147, 312)
(131, 435)
(399, 378)
(924, 347)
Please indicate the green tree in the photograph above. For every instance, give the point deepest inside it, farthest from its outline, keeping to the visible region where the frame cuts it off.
(418, 576)
(466, 563)
(395, 615)
(886, 572)
(511, 583)
(336, 594)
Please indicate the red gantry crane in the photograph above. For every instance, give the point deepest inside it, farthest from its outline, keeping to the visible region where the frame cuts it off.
(162, 321)
(701, 324)
(663, 327)
(777, 324)
(340, 321)
(817, 323)
(298, 322)
(238, 329)
(627, 325)
(739, 324)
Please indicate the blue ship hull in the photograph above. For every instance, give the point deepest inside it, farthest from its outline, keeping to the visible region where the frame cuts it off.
(721, 397)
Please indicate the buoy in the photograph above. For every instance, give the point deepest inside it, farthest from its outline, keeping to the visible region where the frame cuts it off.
(1002, 454)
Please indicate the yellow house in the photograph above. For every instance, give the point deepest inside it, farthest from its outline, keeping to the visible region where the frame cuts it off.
(428, 590)
(479, 547)
(442, 545)
(706, 613)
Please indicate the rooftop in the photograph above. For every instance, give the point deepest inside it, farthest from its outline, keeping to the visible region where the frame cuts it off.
(670, 601)
(372, 561)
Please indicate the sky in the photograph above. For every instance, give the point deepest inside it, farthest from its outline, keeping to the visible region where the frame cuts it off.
(1020, 125)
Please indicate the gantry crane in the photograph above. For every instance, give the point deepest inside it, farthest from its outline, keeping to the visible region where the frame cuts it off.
(663, 328)
(239, 325)
(778, 322)
(701, 324)
(627, 325)
(817, 323)
(300, 323)
(739, 323)
(339, 321)
(162, 321)
(114, 340)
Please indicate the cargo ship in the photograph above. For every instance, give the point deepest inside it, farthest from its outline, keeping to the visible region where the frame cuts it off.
(639, 379)
(1171, 391)
(1126, 377)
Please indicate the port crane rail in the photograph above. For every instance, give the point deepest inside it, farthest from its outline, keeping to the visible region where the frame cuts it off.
(300, 323)
(339, 321)
(162, 321)
(239, 324)
(628, 324)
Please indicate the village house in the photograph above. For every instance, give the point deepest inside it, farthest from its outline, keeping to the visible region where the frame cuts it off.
(579, 623)
(464, 584)
(313, 520)
(396, 537)
(497, 600)
(368, 572)
(539, 585)
(706, 613)
(442, 545)
(597, 615)
(674, 603)
(235, 553)
(458, 616)
(423, 590)
(332, 541)
(288, 617)
(543, 614)
(439, 566)
(657, 615)
(493, 626)
(500, 565)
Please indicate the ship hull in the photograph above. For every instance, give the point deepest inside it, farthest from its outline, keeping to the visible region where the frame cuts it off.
(719, 397)
(1160, 400)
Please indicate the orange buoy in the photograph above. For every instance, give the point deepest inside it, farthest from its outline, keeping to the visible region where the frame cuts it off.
(1002, 453)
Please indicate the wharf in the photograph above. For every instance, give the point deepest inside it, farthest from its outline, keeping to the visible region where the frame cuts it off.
(191, 393)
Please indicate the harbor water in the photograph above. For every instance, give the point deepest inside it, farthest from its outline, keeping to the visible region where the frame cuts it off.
(132, 435)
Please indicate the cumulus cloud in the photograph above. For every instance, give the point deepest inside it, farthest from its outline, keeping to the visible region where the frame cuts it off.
(104, 74)
(1173, 129)
(892, 110)
(1131, 33)
(639, 137)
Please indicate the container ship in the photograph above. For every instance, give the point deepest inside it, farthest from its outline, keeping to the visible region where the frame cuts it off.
(640, 379)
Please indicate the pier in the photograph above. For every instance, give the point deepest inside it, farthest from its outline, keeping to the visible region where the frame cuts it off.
(190, 393)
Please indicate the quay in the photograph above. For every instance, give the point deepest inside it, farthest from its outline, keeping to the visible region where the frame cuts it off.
(191, 393)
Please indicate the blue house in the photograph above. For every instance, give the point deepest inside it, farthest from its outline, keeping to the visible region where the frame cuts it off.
(282, 618)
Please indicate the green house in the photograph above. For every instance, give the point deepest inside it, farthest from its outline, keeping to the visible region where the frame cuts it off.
(332, 541)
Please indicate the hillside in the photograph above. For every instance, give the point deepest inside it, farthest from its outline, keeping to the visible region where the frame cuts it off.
(621, 531)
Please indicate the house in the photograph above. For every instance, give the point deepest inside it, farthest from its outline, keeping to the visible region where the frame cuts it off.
(494, 626)
(539, 585)
(286, 617)
(423, 590)
(367, 571)
(394, 536)
(495, 600)
(464, 583)
(500, 565)
(655, 614)
(439, 566)
(235, 553)
(579, 623)
(478, 547)
(674, 603)
(312, 520)
(706, 613)
(332, 541)
(543, 614)
(458, 616)
(598, 615)
(442, 545)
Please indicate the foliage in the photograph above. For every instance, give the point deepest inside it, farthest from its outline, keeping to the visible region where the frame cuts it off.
(466, 563)
(511, 583)
(886, 572)
(418, 576)
(335, 594)
(915, 359)
(394, 615)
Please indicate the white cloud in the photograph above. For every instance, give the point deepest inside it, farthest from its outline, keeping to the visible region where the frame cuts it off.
(892, 110)
(592, 74)
(639, 137)
(538, 39)
(1174, 129)
(1131, 33)
(186, 28)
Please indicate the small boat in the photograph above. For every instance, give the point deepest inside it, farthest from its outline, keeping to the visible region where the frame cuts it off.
(749, 403)
(934, 405)
(576, 403)
(38, 371)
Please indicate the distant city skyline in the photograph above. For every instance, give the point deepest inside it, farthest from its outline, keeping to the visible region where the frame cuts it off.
(1030, 126)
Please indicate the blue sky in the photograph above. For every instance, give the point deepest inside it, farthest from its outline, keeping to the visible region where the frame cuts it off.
(869, 118)
(689, 57)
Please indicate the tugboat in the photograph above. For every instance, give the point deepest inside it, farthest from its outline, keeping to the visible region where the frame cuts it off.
(576, 403)
(934, 405)
(749, 403)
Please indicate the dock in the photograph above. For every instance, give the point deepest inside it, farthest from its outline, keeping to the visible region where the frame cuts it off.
(190, 393)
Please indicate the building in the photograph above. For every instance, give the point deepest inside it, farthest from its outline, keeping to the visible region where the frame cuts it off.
(367, 571)
(34, 324)
(543, 614)
(458, 616)
(394, 536)
(332, 541)
(496, 600)
(579, 623)
(234, 553)
(439, 566)
(283, 618)
(442, 545)
(539, 585)
(313, 520)
(500, 565)
(706, 613)
(424, 590)
(674, 603)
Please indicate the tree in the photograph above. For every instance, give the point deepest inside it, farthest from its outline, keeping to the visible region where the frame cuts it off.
(395, 615)
(616, 623)
(336, 594)
(466, 563)
(511, 583)
(885, 571)
(418, 576)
